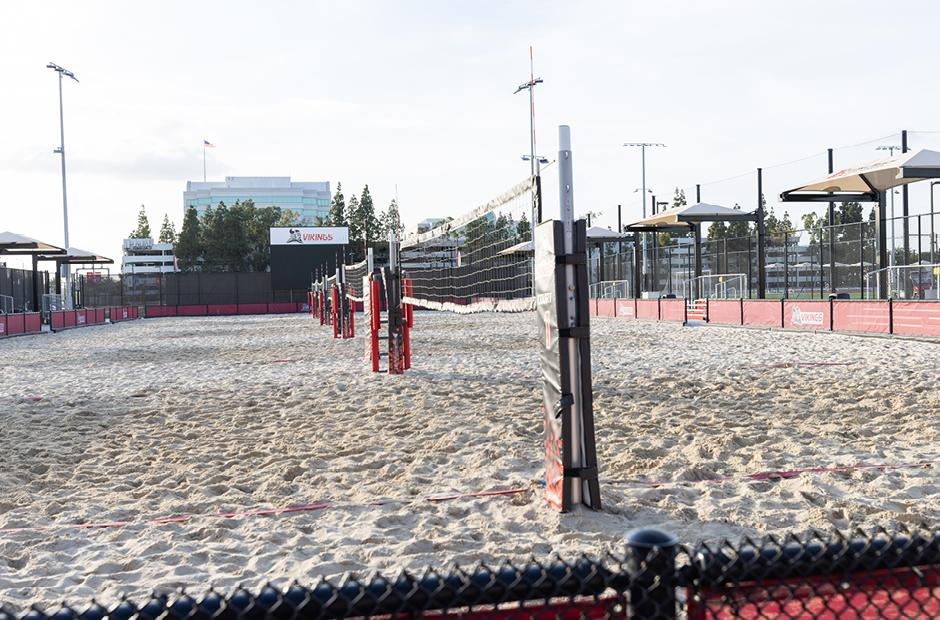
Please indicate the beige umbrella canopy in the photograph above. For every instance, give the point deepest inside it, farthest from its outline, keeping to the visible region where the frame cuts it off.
(865, 182)
(13, 243)
(78, 256)
(689, 215)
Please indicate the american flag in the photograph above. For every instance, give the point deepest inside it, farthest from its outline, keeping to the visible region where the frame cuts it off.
(207, 144)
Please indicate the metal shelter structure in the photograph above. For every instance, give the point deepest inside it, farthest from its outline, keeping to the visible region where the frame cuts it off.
(870, 183)
(689, 219)
(72, 256)
(14, 244)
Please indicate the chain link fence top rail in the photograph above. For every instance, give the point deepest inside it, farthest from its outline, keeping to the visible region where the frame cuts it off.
(871, 575)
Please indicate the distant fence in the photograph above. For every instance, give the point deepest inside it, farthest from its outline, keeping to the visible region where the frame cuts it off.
(868, 576)
(181, 289)
(18, 284)
(224, 309)
(902, 318)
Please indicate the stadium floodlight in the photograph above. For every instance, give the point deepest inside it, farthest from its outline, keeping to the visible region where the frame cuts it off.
(539, 160)
(64, 268)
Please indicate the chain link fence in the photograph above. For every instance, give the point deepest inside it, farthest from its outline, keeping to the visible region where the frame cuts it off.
(799, 263)
(17, 285)
(180, 289)
(871, 575)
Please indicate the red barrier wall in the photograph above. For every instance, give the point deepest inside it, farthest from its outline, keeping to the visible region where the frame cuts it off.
(69, 316)
(252, 308)
(20, 323)
(672, 309)
(192, 310)
(32, 323)
(725, 312)
(626, 308)
(806, 315)
(221, 309)
(283, 307)
(99, 316)
(647, 309)
(56, 320)
(761, 312)
(916, 318)
(861, 316)
(16, 324)
(151, 312)
(606, 307)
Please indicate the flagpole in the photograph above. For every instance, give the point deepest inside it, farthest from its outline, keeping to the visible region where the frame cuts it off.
(203, 161)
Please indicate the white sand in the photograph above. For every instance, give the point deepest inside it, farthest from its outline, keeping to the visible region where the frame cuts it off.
(191, 415)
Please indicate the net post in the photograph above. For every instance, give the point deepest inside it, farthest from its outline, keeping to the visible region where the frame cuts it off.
(562, 302)
(394, 313)
(375, 319)
(334, 308)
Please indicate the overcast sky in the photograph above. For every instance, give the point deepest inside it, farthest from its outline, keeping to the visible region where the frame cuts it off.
(420, 94)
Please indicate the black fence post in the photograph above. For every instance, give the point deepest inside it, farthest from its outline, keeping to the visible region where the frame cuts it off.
(861, 260)
(786, 265)
(761, 239)
(832, 245)
(651, 566)
(822, 276)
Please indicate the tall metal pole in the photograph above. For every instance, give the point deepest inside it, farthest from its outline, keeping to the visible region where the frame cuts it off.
(643, 160)
(533, 164)
(891, 149)
(64, 270)
(832, 243)
(761, 239)
(905, 224)
(643, 146)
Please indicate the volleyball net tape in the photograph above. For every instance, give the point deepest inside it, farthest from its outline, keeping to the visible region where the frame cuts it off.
(478, 262)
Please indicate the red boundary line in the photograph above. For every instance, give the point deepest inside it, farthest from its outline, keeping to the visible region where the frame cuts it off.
(775, 475)
(256, 512)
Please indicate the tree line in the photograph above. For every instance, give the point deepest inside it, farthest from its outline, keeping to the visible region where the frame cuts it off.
(167, 229)
(236, 237)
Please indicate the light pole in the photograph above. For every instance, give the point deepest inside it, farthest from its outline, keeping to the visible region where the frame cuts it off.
(539, 160)
(643, 146)
(530, 86)
(64, 269)
(891, 150)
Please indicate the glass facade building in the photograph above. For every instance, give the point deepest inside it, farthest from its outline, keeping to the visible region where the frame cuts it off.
(307, 199)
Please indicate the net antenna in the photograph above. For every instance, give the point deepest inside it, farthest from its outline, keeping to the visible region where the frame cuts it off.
(481, 261)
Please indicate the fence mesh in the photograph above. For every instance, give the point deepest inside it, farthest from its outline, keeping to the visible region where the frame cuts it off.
(871, 575)
(180, 289)
(479, 262)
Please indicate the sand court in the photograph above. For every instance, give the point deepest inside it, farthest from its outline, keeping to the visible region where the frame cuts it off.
(198, 416)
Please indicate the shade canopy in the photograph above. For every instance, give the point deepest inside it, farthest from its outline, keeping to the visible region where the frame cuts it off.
(863, 183)
(13, 243)
(520, 248)
(599, 234)
(77, 256)
(683, 218)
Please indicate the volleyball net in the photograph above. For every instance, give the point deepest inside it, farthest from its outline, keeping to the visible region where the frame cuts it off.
(481, 261)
